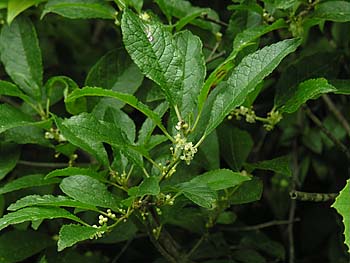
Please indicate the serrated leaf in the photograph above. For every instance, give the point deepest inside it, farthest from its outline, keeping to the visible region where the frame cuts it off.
(72, 234)
(36, 213)
(280, 165)
(80, 9)
(149, 125)
(152, 48)
(10, 117)
(9, 156)
(309, 89)
(193, 68)
(10, 89)
(58, 87)
(89, 133)
(21, 56)
(115, 71)
(342, 205)
(75, 171)
(242, 40)
(18, 245)
(149, 186)
(244, 78)
(183, 8)
(127, 98)
(27, 182)
(337, 11)
(89, 191)
(200, 195)
(219, 179)
(15, 7)
(49, 200)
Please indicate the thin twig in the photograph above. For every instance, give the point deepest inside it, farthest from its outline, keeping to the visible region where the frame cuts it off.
(42, 164)
(318, 122)
(124, 248)
(196, 246)
(207, 18)
(214, 57)
(337, 114)
(262, 225)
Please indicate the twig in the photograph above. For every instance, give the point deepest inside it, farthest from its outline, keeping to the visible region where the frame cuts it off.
(207, 18)
(337, 114)
(124, 248)
(196, 246)
(313, 197)
(263, 225)
(48, 165)
(214, 57)
(42, 164)
(318, 122)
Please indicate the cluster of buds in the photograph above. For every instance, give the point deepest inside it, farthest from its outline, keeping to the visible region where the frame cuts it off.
(145, 16)
(54, 134)
(273, 117)
(242, 111)
(120, 178)
(165, 199)
(183, 149)
(99, 233)
(156, 231)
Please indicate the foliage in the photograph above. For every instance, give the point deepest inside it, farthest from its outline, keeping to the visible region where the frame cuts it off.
(174, 131)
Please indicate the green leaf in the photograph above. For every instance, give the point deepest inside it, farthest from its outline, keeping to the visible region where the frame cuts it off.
(9, 156)
(242, 40)
(80, 9)
(36, 213)
(280, 165)
(21, 56)
(15, 7)
(75, 171)
(18, 245)
(72, 234)
(226, 218)
(89, 133)
(219, 179)
(149, 125)
(9, 89)
(337, 11)
(248, 256)
(115, 71)
(182, 8)
(152, 48)
(49, 200)
(248, 192)
(58, 86)
(200, 195)
(342, 86)
(235, 146)
(342, 205)
(251, 34)
(244, 78)
(149, 186)
(127, 98)
(89, 191)
(11, 117)
(193, 68)
(27, 182)
(309, 89)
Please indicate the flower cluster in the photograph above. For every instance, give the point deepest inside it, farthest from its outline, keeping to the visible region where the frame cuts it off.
(54, 134)
(242, 111)
(273, 117)
(183, 149)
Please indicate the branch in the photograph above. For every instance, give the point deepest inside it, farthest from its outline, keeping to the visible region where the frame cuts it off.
(318, 122)
(337, 114)
(262, 225)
